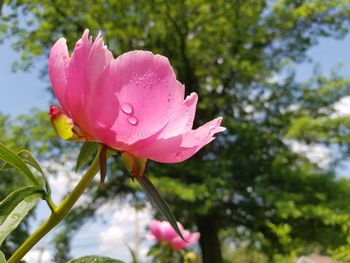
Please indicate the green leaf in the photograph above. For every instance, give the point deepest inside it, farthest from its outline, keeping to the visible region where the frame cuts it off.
(2, 258)
(13, 159)
(159, 202)
(94, 259)
(29, 159)
(15, 207)
(88, 149)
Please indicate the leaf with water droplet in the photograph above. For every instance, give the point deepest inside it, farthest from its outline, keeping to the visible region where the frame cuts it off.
(15, 207)
(95, 259)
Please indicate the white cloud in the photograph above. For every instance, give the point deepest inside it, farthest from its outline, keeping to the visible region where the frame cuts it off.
(117, 227)
(127, 228)
(342, 107)
(38, 255)
(316, 153)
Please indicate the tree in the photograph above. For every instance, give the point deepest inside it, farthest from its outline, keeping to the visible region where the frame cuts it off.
(249, 181)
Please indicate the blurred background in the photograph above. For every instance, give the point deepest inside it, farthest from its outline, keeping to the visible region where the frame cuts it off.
(273, 188)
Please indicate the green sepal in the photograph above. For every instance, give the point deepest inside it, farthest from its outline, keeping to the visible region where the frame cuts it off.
(95, 259)
(88, 149)
(13, 159)
(15, 207)
(158, 201)
(135, 165)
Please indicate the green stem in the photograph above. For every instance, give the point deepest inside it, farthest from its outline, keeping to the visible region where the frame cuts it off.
(50, 204)
(57, 213)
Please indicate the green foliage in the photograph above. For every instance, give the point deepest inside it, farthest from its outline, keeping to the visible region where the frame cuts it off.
(94, 259)
(32, 132)
(16, 207)
(13, 159)
(243, 255)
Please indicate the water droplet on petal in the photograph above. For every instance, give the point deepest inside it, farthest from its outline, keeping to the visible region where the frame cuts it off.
(132, 120)
(127, 108)
(169, 97)
(198, 138)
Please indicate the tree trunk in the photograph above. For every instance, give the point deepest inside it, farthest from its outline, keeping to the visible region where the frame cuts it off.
(209, 240)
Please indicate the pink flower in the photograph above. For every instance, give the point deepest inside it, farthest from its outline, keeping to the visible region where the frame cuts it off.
(163, 232)
(132, 103)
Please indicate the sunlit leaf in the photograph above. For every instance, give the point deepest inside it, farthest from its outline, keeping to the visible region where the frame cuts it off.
(29, 159)
(88, 149)
(13, 159)
(15, 207)
(2, 258)
(94, 259)
(158, 202)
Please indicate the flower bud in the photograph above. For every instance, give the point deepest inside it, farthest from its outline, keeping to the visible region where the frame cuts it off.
(64, 125)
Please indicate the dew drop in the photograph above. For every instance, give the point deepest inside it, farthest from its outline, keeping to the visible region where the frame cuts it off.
(198, 138)
(169, 97)
(127, 108)
(132, 120)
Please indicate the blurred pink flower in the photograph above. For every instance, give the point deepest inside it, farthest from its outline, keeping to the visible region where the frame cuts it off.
(132, 103)
(163, 232)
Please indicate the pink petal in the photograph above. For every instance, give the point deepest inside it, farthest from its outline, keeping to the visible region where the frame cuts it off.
(168, 233)
(78, 80)
(192, 237)
(181, 147)
(147, 90)
(58, 63)
(177, 243)
(103, 108)
(182, 118)
(99, 58)
(88, 62)
(155, 228)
